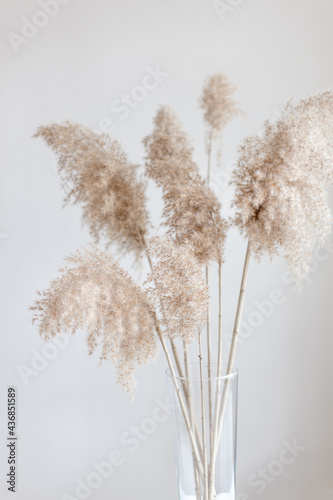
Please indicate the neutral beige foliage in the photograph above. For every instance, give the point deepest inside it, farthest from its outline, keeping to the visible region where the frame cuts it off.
(168, 148)
(280, 201)
(281, 183)
(178, 289)
(217, 103)
(96, 173)
(95, 293)
(191, 211)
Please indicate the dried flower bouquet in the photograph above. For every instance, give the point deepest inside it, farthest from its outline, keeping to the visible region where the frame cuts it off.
(280, 203)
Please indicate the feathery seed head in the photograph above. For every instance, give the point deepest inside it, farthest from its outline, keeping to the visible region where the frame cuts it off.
(217, 103)
(168, 149)
(281, 180)
(96, 173)
(94, 292)
(178, 289)
(192, 211)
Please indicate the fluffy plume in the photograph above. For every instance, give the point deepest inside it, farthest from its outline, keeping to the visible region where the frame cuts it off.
(169, 151)
(95, 293)
(218, 104)
(192, 212)
(96, 173)
(178, 289)
(281, 183)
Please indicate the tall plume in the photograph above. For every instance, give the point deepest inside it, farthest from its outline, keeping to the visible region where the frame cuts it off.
(92, 291)
(281, 182)
(96, 173)
(191, 212)
(218, 104)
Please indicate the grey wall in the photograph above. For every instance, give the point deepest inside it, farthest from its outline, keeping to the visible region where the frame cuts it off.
(71, 414)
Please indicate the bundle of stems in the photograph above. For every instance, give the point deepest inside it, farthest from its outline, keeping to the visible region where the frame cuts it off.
(280, 201)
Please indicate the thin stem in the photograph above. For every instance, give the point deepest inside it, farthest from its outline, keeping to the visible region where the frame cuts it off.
(239, 312)
(173, 345)
(181, 401)
(176, 357)
(230, 366)
(220, 346)
(209, 154)
(203, 422)
(186, 394)
(192, 416)
(218, 381)
(209, 356)
(177, 361)
(209, 336)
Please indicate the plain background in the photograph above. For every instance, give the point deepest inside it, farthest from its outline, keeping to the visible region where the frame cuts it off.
(70, 412)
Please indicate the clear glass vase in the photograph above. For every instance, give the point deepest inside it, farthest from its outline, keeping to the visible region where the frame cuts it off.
(219, 434)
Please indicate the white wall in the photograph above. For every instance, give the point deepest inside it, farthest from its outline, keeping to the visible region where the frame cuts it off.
(71, 413)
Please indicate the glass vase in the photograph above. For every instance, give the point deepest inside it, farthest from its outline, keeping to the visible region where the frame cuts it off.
(214, 429)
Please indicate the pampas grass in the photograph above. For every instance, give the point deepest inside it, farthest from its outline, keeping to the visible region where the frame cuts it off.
(281, 182)
(281, 203)
(93, 292)
(97, 175)
(192, 213)
(178, 289)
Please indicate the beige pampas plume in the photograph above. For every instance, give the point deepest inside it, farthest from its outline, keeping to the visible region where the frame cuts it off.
(169, 151)
(218, 104)
(192, 211)
(94, 292)
(96, 173)
(281, 183)
(178, 289)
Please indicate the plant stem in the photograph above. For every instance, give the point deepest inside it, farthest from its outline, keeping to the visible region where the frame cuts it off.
(209, 336)
(209, 154)
(186, 394)
(181, 401)
(220, 346)
(177, 361)
(173, 345)
(176, 357)
(192, 416)
(209, 356)
(230, 367)
(203, 422)
(218, 381)
(239, 312)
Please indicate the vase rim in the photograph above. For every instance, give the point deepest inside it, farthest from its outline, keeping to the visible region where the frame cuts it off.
(231, 375)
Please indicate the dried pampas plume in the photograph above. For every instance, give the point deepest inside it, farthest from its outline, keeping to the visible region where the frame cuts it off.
(169, 151)
(218, 104)
(93, 291)
(192, 211)
(96, 173)
(178, 289)
(281, 183)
